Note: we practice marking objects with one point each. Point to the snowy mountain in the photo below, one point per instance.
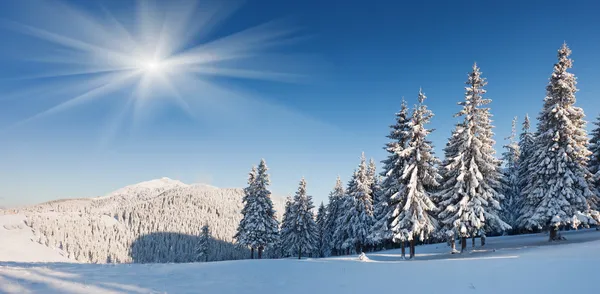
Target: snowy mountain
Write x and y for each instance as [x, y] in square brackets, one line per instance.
[154, 221]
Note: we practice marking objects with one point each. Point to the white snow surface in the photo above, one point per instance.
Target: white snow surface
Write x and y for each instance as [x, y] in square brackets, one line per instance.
[16, 243]
[512, 264]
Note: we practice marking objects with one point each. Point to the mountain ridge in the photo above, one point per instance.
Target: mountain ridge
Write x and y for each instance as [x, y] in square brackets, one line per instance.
[104, 229]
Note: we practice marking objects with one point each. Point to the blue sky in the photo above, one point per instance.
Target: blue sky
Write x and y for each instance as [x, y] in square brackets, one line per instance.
[357, 59]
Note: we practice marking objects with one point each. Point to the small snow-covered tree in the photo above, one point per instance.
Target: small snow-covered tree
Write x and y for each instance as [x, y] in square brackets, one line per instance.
[372, 178]
[414, 220]
[448, 173]
[203, 245]
[526, 140]
[594, 167]
[380, 233]
[261, 226]
[242, 232]
[360, 213]
[334, 214]
[511, 156]
[304, 233]
[558, 181]
[342, 235]
[322, 242]
[285, 234]
[470, 195]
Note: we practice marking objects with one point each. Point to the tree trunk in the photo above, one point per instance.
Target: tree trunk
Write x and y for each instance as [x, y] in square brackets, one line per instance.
[403, 249]
[482, 240]
[299, 252]
[473, 241]
[260, 251]
[453, 244]
[553, 234]
[412, 248]
[463, 244]
[252, 253]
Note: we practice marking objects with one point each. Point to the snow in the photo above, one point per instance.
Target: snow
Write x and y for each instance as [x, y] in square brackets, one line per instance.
[521, 264]
[16, 243]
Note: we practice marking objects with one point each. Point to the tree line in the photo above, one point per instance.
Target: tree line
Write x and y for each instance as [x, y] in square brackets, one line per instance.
[547, 180]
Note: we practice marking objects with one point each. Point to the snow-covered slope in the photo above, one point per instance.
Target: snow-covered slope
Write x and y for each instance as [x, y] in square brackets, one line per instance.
[16, 242]
[153, 221]
[519, 264]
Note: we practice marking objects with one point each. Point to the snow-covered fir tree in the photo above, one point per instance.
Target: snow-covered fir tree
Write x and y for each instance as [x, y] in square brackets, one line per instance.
[470, 196]
[203, 245]
[511, 155]
[558, 181]
[392, 169]
[526, 140]
[381, 234]
[322, 242]
[334, 215]
[447, 171]
[249, 196]
[594, 167]
[360, 215]
[285, 234]
[260, 226]
[342, 235]
[304, 233]
[372, 178]
[412, 218]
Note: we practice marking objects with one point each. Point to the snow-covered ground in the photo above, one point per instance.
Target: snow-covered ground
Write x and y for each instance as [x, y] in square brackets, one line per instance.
[17, 244]
[515, 264]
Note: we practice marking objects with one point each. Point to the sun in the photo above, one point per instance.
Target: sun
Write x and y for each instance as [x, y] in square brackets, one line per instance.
[162, 54]
[152, 66]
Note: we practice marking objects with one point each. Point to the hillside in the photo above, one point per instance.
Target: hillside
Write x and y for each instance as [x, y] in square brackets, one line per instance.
[513, 264]
[153, 221]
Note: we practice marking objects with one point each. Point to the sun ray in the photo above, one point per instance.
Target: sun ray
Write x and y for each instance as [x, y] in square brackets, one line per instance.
[92, 93]
[112, 126]
[246, 73]
[71, 73]
[162, 50]
[178, 97]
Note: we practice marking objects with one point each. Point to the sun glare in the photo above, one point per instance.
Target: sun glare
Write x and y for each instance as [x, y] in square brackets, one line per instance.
[152, 67]
[152, 55]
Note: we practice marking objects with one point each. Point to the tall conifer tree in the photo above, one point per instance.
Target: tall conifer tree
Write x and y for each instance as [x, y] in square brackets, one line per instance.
[470, 196]
[558, 182]
[414, 220]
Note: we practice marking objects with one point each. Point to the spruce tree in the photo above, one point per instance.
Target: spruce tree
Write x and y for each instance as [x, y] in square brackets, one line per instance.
[322, 242]
[261, 226]
[334, 214]
[342, 234]
[594, 167]
[448, 171]
[526, 140]
[414, 220]
[203, 246]
[392, 169]
[558, 181]
[511, 178]
[371, 177]
[285, 238]
[242, 232]
[381, 232]
[470, 195]
[304, 231]
[360, 218]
